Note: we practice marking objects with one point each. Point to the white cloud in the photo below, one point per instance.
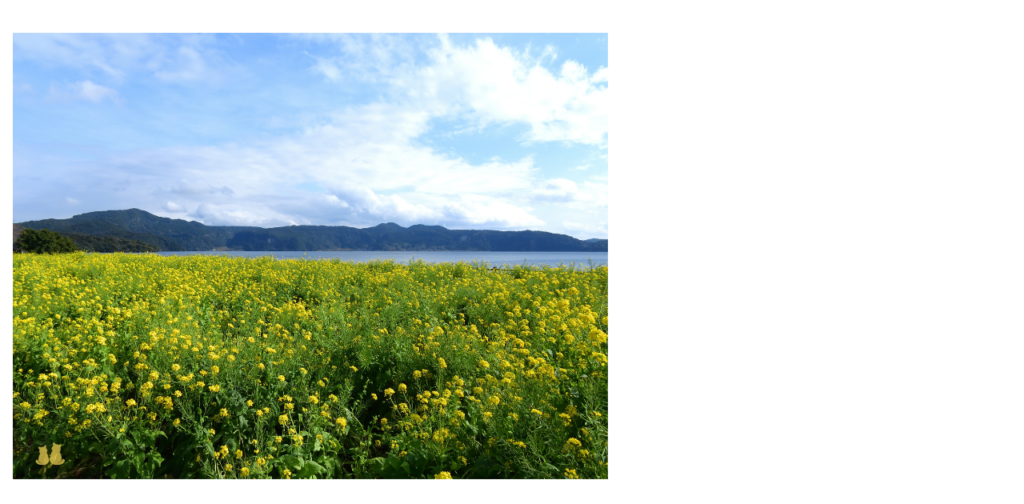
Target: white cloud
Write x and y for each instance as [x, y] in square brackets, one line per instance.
[328, 68]
[585, 231]
[177, 58]
[84, 90]
[483, 82]
[366, 160]
[560, 190]
[371, 58]
[186, 65]
[491, 84]
[72, 201]
[173, 207]
[556, 190]
[200, 188]
[94, 92]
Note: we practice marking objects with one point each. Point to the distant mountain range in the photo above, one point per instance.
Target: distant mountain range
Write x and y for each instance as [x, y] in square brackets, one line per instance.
[176, 234]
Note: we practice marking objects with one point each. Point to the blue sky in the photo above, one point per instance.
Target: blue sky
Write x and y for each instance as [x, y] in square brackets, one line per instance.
[504, 131]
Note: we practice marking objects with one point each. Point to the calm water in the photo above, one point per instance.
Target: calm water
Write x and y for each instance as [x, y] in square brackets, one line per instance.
[491, 258]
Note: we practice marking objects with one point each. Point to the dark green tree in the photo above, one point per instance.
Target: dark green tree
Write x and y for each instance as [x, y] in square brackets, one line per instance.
[44, 241]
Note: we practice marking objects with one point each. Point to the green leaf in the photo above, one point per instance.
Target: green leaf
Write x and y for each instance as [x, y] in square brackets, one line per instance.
[290, 462]
[310, 469]
[120, 469]
[395, 462]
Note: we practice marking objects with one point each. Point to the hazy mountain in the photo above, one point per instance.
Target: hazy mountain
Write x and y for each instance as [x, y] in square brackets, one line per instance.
[177, 234]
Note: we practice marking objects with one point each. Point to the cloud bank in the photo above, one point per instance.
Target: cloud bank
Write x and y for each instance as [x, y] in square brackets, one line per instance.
[359, 164]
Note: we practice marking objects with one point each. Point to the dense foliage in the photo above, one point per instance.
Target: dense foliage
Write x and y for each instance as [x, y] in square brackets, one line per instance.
[177, 234]
[43, 241]
[198, 366]
[88, 243]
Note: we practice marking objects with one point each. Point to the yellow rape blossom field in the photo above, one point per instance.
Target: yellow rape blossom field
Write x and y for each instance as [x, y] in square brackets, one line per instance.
[144, 366]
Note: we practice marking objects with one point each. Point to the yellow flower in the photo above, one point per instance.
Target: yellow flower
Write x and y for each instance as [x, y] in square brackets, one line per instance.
[484, 364]
[313, 399]
[227, 467]
[537, 411]
[388, 392]
[354, 369]
[443, 475]
[402, 387]
[374, 396]
[244, 471]
[441, 363]
[238, 454]
[175, 367]
[278, 439]
[214, 388]
[341, 422]
[416, 375]
[212, 432]
[287, 474]
[177, 421]
[215, 369]
[280, 377]
[283, 419]
[130, 402]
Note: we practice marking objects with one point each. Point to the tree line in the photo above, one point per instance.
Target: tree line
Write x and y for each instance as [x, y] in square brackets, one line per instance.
[44, 241]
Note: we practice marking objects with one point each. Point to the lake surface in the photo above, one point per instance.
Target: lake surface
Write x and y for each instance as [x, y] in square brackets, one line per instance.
[491, 258]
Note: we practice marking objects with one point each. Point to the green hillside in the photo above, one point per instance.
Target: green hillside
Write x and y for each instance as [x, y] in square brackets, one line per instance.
[176, 234]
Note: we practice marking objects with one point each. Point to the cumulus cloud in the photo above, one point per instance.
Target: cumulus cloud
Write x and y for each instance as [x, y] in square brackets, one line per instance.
[484, 82]
[366, 163]
[363, 164]
[492, 84]
[173, 207]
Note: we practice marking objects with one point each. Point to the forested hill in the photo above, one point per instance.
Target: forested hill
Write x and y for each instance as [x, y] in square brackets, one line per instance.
[14, 232]
[177, 234]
